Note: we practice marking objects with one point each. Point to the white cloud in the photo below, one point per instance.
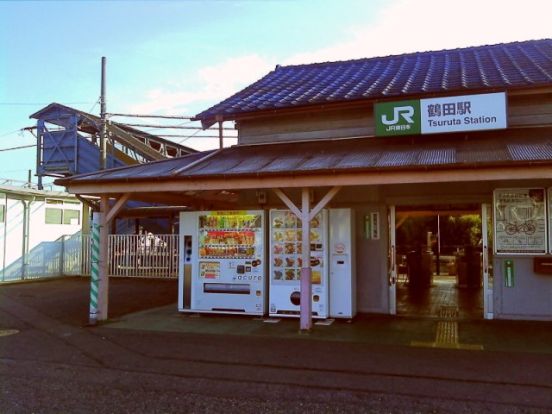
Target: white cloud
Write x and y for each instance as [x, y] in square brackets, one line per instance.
[402, 26]
[213, 84]
[419, 25]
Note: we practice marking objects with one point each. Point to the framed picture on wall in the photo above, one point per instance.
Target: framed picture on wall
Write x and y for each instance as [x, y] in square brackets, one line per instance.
[520, 221]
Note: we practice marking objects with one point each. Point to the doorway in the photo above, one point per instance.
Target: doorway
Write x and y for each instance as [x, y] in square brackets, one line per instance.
[441, 260]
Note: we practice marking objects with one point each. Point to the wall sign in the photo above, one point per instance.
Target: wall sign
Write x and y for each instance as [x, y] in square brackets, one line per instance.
[520, 221]
[438, 115]
[372, 226]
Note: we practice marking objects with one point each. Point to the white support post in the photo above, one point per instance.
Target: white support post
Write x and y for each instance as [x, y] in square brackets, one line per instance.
[306, 215]
[306, 281]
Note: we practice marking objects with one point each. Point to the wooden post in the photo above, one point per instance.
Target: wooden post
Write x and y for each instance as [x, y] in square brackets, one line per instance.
[103, 287]
[306, 280]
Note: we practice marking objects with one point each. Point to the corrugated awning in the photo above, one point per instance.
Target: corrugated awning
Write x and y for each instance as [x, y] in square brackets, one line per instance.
[476, 150]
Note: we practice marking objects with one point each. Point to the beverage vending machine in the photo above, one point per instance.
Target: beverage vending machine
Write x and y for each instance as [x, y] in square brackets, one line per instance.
[222, 267]
[342, 278]
[286, 262]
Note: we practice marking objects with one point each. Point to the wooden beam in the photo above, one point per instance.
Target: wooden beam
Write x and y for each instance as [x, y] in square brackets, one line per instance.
[324, 201]
[119, 204]
[524, 172]
[401, 221]
[287, 202]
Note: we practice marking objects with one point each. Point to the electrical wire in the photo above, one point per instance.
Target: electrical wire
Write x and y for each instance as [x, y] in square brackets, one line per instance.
[11, 132]
[16, 148]
[188, 137]
[175, 127]
[40, 103]
[151, 116]
[95, 104]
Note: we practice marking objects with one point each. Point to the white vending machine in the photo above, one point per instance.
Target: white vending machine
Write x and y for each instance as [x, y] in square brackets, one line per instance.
[222, 267]
[286, 262]
[342, 269]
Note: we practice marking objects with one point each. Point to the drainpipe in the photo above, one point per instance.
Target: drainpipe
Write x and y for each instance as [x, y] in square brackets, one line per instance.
[25, 244]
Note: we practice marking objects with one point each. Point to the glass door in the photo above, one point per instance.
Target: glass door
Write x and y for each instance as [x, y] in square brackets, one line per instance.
[392, 262]
[487, 268]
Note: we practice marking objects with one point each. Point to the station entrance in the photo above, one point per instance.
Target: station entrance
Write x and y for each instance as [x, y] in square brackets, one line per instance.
[441, 261]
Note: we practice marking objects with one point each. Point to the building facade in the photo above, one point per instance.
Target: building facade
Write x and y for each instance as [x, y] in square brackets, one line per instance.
[453, 133]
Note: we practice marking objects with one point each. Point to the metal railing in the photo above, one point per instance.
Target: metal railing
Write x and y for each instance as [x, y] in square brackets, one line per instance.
[147, 255]
[129, 255]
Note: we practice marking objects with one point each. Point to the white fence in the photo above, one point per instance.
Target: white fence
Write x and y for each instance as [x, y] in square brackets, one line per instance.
[148, 255]
[130, 255]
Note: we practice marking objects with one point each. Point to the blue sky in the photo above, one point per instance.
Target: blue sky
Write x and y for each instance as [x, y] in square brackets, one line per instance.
[180, 57]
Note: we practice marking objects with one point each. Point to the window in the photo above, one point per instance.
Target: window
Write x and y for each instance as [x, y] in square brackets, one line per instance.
[71, 217]
[53, 215]
[63, 213]
[2, 213]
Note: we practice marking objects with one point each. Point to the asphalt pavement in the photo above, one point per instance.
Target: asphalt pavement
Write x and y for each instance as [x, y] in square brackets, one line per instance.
[150, 359]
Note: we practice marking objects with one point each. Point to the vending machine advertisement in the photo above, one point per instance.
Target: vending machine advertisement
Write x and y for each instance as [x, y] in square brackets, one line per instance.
[285, 264]
[226, 261]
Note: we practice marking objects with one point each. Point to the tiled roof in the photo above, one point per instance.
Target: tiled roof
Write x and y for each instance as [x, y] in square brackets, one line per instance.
[503, 66]
[367, 154]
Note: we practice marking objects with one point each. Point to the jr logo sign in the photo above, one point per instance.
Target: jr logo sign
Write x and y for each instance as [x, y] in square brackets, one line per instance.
[397, 118]
[407, 112]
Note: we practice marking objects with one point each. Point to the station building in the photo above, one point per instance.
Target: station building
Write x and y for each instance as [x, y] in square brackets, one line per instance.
[441, 161]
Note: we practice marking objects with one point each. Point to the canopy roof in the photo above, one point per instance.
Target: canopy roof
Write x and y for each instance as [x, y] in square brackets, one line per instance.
[512, 148]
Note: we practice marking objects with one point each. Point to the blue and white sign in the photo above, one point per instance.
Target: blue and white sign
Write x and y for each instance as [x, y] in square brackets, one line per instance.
[463, 113]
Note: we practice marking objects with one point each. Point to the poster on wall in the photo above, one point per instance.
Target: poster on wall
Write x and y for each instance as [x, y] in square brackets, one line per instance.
[520, 221]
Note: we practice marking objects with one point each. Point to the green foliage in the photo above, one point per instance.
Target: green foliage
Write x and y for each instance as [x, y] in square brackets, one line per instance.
[456, 231]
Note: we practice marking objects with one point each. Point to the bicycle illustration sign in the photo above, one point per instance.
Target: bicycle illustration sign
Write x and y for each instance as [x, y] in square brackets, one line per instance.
[520, 221]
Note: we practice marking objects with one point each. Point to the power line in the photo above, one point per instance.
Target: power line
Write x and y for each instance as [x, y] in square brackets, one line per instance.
[174, 127]
[16, 148]
[152, 116]
[41, 103]
[94, 106]
[11, 132]
[193, 136]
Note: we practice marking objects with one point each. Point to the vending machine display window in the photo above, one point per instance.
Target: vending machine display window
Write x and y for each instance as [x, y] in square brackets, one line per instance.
[286, 250]
[287, 247]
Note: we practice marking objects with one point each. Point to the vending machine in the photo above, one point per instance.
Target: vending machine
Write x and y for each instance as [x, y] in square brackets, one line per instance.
[342, 278]
[222, 267]
[286, 262]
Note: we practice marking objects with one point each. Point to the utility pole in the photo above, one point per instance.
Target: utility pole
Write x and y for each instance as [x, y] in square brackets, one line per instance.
[103, 132]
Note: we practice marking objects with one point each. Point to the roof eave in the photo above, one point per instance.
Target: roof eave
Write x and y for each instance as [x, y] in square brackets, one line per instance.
[327, 171]
[211, 118]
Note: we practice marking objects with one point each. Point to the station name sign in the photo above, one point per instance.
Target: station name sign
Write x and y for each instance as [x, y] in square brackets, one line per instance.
[438, 115]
